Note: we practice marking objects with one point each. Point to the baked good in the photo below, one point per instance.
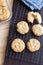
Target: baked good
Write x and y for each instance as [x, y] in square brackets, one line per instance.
[33, 45]
[37, 29]
[4, 13]
[18, 45]
[3, 3]
[38, 17]
[30, 17]
[22, 27]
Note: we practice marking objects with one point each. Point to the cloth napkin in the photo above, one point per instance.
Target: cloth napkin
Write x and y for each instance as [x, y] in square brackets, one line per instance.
[34, 4]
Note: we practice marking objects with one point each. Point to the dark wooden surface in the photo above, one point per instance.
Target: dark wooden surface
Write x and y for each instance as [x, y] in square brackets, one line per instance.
[25, 58]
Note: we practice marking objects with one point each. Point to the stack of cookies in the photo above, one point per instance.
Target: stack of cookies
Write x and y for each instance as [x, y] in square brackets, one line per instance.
[4, 11]
[33, 45]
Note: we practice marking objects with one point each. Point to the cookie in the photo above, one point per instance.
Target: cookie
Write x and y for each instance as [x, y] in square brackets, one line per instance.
[38, 17]
[18, 45]
[22, 27]
[33, 45]
[30, 17]
[37, 29]
[4, 13]
[3, 3]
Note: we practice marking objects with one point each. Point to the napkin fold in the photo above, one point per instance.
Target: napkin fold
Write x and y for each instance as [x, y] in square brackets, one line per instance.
[34, 4]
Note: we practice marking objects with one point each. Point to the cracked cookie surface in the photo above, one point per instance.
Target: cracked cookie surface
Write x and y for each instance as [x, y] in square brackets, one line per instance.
[4, 10]
[33, 45]
[37, 29]
[22, 27]
[31, 16]
[18, 45]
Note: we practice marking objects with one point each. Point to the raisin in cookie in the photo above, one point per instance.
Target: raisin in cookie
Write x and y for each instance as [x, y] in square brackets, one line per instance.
[33, 45]
[22, 27]
[37, 29]
[18, 45]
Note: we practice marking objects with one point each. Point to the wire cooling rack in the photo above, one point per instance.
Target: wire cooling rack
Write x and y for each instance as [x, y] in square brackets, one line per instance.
[19, 13]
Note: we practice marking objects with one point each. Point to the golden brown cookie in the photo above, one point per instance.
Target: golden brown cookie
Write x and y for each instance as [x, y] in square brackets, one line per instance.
[18, 45]
[37, 29]
[3, 3]
[4, 10]
[22, 27]
[4, 13]
[30, 17]
[33, 45]
[38, 17]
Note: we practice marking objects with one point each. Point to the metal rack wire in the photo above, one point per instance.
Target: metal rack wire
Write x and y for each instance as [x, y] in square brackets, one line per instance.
[20, 10]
